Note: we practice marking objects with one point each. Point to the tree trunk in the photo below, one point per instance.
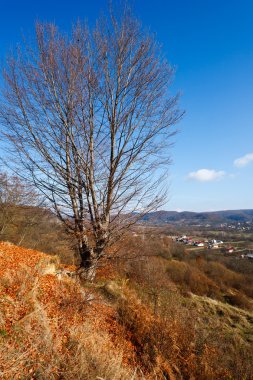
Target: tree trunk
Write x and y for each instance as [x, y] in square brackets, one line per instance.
[89, 256]
[88, 263]
[102, 238]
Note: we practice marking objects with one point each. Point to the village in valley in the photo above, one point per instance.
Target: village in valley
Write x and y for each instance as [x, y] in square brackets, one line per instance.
[224, 247]
[219, 234]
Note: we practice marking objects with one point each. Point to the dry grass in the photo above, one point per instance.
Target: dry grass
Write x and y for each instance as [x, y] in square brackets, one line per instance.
[167, 347]
[138, 325]
[34, 352]
[94, 356]
[202, 334]
[49, 329]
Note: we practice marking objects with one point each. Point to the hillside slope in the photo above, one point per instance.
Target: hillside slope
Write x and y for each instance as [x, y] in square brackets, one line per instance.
[50, 327]
[53, 327]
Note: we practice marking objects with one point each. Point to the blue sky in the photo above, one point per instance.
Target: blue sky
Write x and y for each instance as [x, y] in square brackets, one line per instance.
[211, 44]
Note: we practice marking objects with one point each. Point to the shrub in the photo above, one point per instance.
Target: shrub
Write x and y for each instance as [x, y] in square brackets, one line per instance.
[191, 279]
[239, 300]
[166, 347]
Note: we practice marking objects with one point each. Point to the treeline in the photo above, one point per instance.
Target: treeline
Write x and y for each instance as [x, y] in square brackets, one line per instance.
[25, 220]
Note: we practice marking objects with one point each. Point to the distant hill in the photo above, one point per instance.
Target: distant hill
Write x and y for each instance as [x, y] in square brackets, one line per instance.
[188, 217]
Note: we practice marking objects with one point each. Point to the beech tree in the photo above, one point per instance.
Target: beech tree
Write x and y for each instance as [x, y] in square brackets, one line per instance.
[88, 117]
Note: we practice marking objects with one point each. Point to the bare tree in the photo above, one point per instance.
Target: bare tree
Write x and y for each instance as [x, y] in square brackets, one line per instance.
[88, 118]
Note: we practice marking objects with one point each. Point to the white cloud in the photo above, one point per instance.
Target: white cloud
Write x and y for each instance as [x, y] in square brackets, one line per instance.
[206, 175]
[243, 161]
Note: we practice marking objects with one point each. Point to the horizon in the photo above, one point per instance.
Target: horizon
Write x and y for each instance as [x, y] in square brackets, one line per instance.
[211, 46]
[206, 211]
